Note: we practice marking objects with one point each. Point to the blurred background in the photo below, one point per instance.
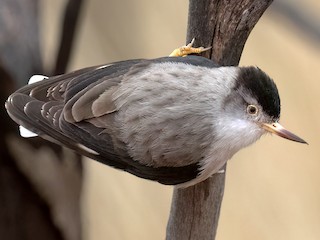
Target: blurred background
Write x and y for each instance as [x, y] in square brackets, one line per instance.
[272, 188]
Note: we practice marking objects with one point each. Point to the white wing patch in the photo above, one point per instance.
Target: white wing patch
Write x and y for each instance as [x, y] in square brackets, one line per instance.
[37, 78]
[26, 133]
[23, 131]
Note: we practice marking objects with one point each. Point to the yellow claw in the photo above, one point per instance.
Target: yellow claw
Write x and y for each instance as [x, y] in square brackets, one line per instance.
[188, 49]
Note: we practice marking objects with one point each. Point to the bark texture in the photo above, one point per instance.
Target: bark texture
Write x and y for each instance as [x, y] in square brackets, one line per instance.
[224, 25]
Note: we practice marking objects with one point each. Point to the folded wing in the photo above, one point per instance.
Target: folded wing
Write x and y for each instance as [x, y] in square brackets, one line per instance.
[76, 110]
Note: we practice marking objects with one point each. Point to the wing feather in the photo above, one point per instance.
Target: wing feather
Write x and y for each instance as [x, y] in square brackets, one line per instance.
[77, 108]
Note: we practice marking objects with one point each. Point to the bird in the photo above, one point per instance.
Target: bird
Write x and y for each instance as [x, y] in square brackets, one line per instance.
[176, 120]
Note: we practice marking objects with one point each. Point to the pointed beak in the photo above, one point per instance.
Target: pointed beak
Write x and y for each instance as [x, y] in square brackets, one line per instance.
[277, 129]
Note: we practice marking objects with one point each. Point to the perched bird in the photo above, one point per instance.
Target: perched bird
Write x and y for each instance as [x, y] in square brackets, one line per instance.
[175, 120]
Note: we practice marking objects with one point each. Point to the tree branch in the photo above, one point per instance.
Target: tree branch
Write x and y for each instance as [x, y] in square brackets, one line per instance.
[71, 16]
[224, 25]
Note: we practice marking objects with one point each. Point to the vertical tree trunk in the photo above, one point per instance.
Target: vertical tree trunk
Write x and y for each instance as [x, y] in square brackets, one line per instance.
[224, 25]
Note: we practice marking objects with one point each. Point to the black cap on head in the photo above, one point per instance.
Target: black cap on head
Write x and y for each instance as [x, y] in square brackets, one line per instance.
[262, 87]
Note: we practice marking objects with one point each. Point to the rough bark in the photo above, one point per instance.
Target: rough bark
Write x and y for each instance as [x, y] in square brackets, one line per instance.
[224, 25]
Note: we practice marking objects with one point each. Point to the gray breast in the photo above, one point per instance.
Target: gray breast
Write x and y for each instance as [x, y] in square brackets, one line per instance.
[165, 119]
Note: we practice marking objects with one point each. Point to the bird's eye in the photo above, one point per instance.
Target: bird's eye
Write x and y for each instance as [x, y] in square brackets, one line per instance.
[252, 109]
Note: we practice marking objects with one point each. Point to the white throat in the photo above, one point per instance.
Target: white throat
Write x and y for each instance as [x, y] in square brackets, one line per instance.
[233, 135]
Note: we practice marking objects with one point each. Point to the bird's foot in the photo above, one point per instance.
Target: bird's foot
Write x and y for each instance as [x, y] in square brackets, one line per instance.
[188, 49]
